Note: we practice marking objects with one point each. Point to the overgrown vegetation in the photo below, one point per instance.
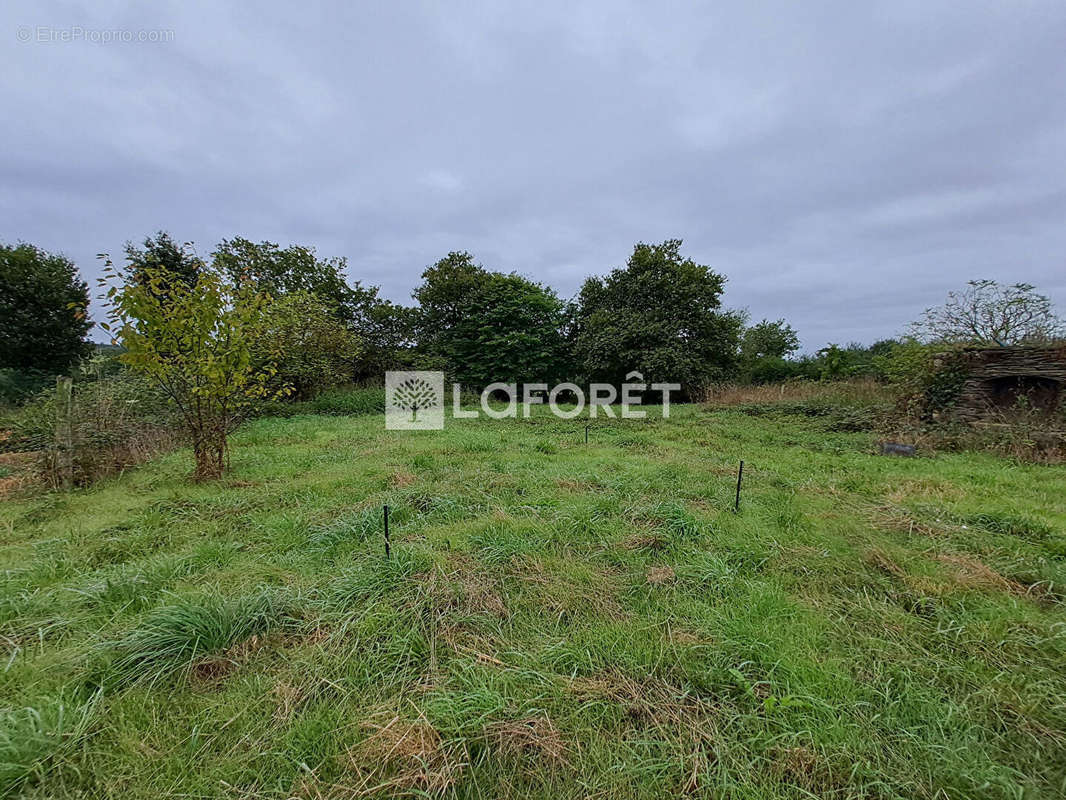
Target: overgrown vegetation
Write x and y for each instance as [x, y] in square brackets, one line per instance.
[117, 420]
[557, 620]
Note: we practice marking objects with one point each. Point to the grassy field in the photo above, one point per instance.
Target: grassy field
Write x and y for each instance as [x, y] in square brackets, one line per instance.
[557, 620]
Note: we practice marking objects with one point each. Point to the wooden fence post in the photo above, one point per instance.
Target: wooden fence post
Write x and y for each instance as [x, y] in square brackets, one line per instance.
[64, 443]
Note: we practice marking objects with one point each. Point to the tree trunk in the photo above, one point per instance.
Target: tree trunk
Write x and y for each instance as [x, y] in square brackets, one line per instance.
[210, 453]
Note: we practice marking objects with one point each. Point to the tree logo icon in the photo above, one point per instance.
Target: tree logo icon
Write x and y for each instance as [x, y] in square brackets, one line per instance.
[415, 394]
[414, 400]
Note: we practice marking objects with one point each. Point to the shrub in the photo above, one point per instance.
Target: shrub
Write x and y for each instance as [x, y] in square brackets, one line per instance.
[306, 346]
[116, 422]
[351, 400]
[928, 377]
[194, 341]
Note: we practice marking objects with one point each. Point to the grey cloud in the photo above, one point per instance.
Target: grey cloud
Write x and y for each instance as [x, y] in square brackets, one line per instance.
[844, 164]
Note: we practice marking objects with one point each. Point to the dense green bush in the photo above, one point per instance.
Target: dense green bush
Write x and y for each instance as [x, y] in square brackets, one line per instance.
[353, 400]
[43, 303]
[17, 385]
[305, 347]
[340, 400]
[660, 315]
[929, 377]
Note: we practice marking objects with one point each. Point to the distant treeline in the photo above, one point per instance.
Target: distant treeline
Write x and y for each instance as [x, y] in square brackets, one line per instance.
[661, 314]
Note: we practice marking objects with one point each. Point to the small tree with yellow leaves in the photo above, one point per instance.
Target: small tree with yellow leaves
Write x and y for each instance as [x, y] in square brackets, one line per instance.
[194, 339]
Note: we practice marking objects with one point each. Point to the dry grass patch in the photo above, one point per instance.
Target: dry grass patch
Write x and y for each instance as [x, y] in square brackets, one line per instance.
[929, 490]
[565, 596]
[534, 737]
[22, 472]
[288, 699]
[403, 757]
[467, 587]
[651, 703]
[216, 668]
[973, 574]
[880, 560]
[644, 541]
[802, 767]
[660, 575]
[887, 516]
[401, 479]
[860, 391]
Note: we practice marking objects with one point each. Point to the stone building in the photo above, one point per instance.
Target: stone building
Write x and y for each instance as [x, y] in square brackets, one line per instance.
[995, 378]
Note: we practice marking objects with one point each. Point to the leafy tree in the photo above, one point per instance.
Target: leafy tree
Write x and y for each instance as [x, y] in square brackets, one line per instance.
[277, 271]
[306, 347]
[833, 362]
[195, 342]
[483, 326]
[43, 304]
[769, 340]
[388, 332]
[383, 329]
[991, 314]
[160, 256]
[661, 315]
[764, 348]
[446, 299]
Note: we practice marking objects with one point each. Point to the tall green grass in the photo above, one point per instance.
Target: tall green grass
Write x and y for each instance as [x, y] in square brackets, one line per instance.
[556, 619]
[172, 637]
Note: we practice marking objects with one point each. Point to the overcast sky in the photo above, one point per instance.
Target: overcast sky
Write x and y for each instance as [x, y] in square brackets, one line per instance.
[845, 164]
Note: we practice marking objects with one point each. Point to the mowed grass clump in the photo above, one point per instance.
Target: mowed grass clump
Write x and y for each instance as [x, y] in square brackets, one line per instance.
[556, 619]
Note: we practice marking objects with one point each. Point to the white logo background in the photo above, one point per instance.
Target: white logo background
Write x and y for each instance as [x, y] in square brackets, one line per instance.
[414, 401]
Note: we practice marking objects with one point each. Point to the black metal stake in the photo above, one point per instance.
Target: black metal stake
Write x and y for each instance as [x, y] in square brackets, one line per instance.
[586, 434]
[388, 553]
[740, 477]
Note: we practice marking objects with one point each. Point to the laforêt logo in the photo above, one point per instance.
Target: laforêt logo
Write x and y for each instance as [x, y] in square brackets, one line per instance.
[414, 400]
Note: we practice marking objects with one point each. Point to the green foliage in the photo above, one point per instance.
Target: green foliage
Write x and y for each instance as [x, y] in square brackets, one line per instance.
[764, 348]
[307, 348]
[384, 330]
[660, 316]
[387, 332]
[277, 272]
[483, 326]
[160, 264]
[833, 363]
[354, 400]
[44, 307]
[18, 385]
[194, 342]
[929, 377]
[768, 340]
